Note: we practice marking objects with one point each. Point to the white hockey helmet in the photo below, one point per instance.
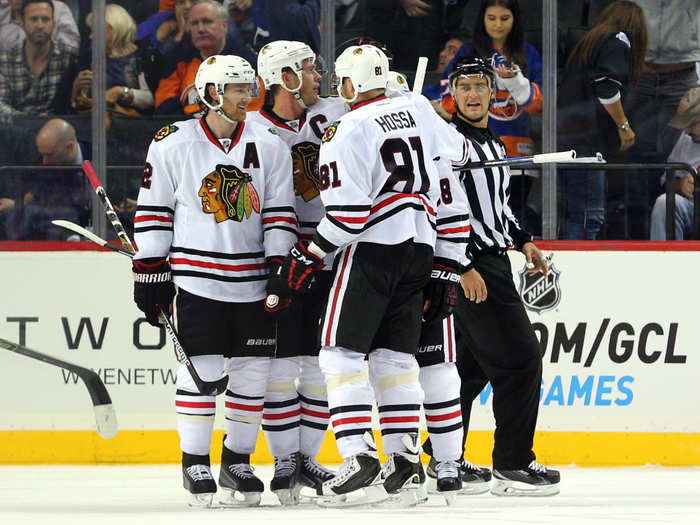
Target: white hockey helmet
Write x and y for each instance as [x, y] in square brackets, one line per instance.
[222, 70]
[366, 66]
[397, 82]
[274, 57]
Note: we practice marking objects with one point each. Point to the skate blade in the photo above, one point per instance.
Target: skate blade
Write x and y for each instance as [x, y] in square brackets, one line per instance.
[406, 497]
[471, 489]
[520, 489]
[288, 497]
[364, 496]
[201, 500]
[235, 498]
[450, 497]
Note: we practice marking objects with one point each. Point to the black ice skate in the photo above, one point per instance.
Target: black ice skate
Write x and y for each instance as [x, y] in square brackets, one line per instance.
[358, 481]
[197, 478]
[533, 480]
[313, 474]
[403, 474]
[475, 480]
[449, 483]
[240, 487]
[285, 482]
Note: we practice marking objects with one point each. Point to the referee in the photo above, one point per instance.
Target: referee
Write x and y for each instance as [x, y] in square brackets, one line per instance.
[495, 341]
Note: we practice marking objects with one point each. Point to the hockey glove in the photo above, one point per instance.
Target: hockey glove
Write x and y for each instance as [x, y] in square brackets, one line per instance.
[278, 295]
[299, 266]
[440, 294]
[153, 287]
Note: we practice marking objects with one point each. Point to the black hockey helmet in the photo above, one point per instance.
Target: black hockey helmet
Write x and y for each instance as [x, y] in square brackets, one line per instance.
[471, 65]
[365, 40]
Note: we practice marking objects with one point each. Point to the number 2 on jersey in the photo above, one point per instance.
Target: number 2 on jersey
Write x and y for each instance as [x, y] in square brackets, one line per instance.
[405, 171]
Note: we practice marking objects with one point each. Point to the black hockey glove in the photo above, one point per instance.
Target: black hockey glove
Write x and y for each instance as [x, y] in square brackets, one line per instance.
[153, 287]
[441, 292]
[299, 266]
[278, 295]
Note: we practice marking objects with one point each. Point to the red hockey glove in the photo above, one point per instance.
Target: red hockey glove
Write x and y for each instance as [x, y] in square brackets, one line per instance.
[440, 294]
[299, 266]
[153, 287]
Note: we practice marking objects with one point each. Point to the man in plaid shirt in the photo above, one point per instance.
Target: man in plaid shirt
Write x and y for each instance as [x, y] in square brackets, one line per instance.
[35, 78]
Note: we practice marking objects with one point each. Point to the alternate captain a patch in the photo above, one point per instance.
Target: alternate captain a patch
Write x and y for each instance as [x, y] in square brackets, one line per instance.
[330, 131]
[229, 193]
[165, 131]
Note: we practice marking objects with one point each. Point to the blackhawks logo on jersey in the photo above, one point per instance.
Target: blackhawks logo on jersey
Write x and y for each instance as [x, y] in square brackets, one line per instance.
[229, 193]
[330, 131]
[165, 131]
[305, 170]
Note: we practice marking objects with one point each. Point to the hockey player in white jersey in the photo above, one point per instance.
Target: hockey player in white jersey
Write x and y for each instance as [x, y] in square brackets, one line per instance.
[295, 417]
[380, 188]
[437, 353]
[216, 201]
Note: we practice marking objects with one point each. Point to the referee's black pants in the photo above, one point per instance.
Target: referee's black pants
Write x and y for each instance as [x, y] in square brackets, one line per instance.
[496, 343]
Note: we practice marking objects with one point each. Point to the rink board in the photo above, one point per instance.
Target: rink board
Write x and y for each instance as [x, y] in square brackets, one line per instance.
[619, 329]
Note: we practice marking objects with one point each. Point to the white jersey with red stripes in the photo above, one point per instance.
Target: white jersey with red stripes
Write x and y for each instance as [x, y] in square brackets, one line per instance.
[379, 174]
[303, 136]
[217, 207]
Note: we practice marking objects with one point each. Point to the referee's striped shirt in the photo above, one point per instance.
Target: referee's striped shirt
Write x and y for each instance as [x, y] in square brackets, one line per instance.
[493, 225]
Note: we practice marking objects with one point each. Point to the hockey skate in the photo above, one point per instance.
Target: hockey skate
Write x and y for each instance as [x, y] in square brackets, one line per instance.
[475, 480]
[240, 487]
[197, 478]
[285, 482]
[533, 480]
[403, 475]
[312, 474]
[448, 482]
[358, 482]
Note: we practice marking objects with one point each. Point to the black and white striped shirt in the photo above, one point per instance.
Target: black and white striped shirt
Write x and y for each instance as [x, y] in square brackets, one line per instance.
[493, 225]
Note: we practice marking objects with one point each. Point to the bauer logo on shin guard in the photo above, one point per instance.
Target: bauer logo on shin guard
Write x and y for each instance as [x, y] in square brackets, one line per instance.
[540, 293]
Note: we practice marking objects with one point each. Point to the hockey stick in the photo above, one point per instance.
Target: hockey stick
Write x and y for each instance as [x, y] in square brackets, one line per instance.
[89, 235]
[105, 415]
[207, 388]
[542, 158]
[420, 75]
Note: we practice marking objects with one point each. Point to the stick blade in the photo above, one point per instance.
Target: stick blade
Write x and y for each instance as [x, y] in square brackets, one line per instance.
[106, 420]
[215, 388]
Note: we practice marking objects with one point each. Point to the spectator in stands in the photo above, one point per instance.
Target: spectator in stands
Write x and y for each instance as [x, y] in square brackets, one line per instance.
[591, 117]
[449, 50]
[127, 90]
[166, 29]
[413, 28]
[50, 195]
[296, 20]
[35, 77]
[208, 22]
[498, 36]
[687, 150]
[669, 71]
[17, 148]
[12, 34]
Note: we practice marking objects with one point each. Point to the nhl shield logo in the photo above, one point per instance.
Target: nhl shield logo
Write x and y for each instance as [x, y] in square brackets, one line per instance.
[540, 293]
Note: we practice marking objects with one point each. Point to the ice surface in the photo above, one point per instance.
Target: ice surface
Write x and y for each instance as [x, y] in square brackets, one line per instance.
[106, 495]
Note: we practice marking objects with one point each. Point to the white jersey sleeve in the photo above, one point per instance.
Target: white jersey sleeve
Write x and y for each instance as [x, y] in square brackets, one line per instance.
[452, 219]
[280, 225]
[153, 222]
[346, 189]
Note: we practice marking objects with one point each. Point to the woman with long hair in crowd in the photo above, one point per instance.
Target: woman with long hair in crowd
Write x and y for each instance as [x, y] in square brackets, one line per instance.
[591, 117]
[499, 37]
[127, 90]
